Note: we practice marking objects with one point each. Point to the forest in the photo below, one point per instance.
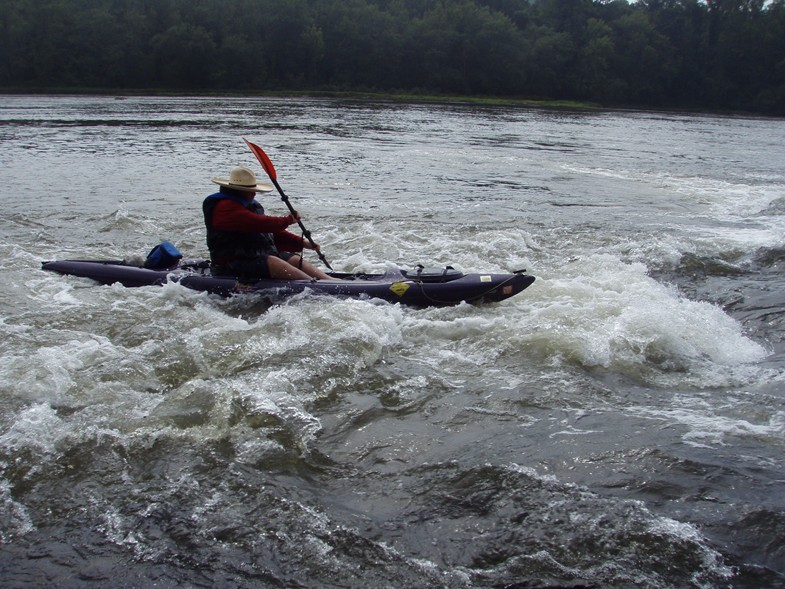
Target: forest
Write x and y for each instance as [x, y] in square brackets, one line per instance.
[719, 55]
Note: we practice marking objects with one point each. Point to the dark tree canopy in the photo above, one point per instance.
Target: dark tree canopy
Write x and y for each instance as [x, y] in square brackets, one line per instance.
[712, 54]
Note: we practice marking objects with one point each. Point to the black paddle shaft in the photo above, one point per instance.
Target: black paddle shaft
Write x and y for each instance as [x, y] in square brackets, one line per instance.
[306, 233]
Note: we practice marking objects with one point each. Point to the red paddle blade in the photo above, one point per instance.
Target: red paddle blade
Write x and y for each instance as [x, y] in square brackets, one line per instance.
[263, 159]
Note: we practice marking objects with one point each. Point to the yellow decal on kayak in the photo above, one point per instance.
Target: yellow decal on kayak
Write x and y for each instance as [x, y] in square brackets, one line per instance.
[485, 278]
[399, 288]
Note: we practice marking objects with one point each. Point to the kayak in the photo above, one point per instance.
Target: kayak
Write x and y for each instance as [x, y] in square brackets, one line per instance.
[422, 287]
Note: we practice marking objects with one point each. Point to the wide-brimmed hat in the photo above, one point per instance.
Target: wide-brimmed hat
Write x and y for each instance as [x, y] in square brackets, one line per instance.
[241, 178]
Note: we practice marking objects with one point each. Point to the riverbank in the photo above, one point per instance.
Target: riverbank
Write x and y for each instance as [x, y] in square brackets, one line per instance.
[386, 97]
[349, 94]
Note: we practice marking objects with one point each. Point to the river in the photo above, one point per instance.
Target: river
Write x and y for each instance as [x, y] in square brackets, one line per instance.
[621, 423]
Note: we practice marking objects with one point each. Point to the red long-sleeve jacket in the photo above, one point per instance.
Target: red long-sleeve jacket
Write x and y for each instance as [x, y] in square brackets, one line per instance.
[239, 230]
[229, 215]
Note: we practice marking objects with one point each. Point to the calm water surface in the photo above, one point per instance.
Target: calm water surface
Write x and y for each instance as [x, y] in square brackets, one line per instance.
[619, 424]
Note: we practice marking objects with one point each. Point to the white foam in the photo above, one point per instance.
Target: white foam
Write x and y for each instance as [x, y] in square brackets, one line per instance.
[37, 427]
[706, 427]
[600, 311]
[712, 560]
[50, 372]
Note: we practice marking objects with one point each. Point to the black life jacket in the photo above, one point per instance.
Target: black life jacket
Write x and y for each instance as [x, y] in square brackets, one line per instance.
[228, 246]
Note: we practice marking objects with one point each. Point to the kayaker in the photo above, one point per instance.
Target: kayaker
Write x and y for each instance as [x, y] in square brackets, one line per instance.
[246, 243]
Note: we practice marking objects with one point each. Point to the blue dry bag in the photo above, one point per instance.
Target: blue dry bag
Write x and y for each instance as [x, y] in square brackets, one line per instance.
[164, 255]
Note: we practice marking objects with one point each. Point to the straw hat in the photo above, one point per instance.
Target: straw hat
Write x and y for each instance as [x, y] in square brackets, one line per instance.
[242, 179]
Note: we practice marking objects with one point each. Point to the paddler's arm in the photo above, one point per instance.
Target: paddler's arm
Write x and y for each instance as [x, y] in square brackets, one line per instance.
[232, 216]
[289, 242]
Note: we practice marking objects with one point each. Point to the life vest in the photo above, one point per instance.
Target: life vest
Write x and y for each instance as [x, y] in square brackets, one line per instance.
[229, 246]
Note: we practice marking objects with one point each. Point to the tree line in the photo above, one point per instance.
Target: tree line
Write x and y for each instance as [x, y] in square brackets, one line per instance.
[704, 54]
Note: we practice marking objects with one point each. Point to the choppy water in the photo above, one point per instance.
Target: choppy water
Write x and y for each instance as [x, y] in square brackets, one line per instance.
[621, 423]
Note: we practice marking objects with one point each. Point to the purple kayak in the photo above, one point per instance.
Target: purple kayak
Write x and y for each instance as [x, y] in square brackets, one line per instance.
[422, 287]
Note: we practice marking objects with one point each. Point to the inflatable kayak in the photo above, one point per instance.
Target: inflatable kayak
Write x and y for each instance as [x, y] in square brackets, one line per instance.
[419, 287]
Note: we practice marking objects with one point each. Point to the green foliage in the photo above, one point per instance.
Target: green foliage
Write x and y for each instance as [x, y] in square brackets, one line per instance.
[653, 53]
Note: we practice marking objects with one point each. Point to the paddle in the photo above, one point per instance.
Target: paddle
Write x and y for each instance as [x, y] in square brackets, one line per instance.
[270, 169]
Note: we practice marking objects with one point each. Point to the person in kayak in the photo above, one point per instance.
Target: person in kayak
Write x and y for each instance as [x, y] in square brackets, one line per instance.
[246, 243]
